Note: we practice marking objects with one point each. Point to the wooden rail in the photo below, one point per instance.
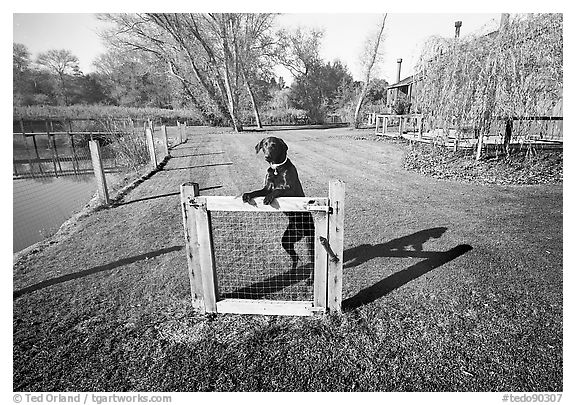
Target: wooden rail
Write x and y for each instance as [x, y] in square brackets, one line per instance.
[384, 119]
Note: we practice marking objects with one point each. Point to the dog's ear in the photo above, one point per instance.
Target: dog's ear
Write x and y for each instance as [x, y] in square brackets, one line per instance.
[259, 145]
[284, 146]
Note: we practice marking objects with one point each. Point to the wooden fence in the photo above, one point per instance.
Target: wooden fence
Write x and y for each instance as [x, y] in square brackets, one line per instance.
[61, 150]
[541, 132]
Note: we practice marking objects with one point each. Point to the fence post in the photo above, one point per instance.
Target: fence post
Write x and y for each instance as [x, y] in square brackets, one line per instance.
[420, 124]
[99, 171]
[187, 192]
[184, 136]
[165, 135]
[25, 140]
[151, 151]
[75, 166]
[179, 132]
[54, 160]
[336, 239]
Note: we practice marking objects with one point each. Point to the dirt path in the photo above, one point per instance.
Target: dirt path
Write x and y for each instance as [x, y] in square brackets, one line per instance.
[125, 266]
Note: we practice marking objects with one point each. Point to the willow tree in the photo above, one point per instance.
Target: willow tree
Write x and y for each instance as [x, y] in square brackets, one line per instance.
[209, 54]
[480, 82]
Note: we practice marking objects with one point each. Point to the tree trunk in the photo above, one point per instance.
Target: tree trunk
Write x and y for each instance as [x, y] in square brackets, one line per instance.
[230, 102]
[480, 142]
[508, 136]
[64, 92]
[252, 99]
[230, 94]
[359, 105]
[373, 57]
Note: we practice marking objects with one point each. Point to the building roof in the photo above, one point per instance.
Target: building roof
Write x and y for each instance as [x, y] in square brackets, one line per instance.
[404, 82]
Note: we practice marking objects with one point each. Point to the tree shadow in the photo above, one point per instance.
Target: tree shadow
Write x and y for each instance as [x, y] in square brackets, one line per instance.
[94, 270]
[196, 155]
[398, 248]
[118, 203]
[293, 127]
[198, 167]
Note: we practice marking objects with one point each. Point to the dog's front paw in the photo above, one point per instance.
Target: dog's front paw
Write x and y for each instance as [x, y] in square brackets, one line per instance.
[246, 197]
[268, 199]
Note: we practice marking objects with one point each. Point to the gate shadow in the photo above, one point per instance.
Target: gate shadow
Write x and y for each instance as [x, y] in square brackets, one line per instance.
[398, 248]
[273, 284]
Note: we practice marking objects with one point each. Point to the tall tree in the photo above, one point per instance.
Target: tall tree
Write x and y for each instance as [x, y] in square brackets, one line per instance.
[299, 50]
[368, 59]
[256, 46]
[21, 80]
[136, 80]
[63, 63]
[208, 53]
[317, 92]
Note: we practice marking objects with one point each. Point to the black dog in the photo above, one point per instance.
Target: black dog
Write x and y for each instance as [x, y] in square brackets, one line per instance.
[282, 181]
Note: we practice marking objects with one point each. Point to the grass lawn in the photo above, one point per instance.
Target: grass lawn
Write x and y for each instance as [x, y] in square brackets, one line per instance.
[448, 286]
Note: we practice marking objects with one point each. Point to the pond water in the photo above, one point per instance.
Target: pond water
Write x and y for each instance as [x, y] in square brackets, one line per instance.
[41, 205]
[53, 179]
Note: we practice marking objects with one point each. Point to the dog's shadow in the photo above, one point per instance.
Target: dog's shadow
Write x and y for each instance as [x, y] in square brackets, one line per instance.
[398, 248]
[395, 248]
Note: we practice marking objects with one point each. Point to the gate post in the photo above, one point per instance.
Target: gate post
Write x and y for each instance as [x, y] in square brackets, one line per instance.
[187, 193]
[336, 238]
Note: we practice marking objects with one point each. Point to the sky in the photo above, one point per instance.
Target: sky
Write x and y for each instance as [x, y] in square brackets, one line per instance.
[404, 34]
[344, 35]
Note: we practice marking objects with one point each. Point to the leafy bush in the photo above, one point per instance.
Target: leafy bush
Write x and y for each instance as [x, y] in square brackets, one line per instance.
[128, 147]
[401, 107]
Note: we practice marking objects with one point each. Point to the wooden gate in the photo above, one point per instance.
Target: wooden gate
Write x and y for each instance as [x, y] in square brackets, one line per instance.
[225, 251]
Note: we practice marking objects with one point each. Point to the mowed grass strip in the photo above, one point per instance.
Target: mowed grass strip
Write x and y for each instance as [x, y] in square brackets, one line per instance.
[447, 287]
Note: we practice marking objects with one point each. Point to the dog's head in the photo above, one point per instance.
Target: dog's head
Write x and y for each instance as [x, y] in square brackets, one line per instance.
[274, 149]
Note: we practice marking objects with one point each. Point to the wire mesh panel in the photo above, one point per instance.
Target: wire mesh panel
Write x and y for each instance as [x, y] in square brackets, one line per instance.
[264, 255]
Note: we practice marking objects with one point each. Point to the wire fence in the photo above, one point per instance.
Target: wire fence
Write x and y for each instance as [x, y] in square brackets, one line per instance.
[53, 174]
[264, 255]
